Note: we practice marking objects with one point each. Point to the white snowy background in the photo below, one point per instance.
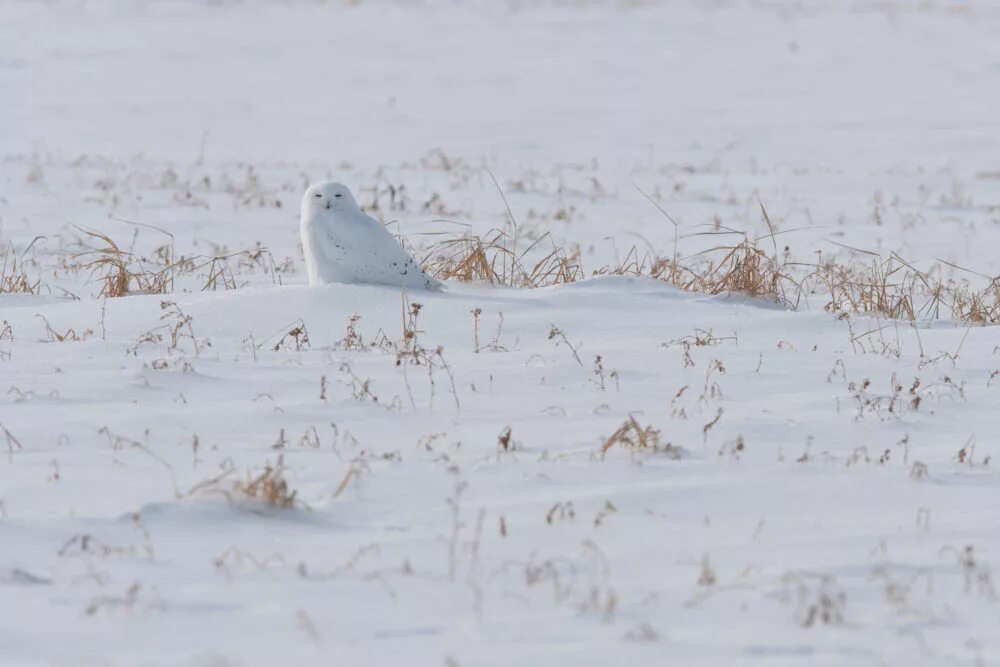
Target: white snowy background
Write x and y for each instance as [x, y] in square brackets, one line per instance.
[807, 509]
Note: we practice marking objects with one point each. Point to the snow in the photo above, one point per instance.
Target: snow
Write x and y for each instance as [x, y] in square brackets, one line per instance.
[799, 514]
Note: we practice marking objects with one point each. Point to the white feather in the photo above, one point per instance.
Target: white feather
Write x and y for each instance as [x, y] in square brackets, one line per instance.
[343, 244]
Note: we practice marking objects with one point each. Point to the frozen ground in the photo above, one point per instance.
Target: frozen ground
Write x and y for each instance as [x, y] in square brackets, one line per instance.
[805, 500]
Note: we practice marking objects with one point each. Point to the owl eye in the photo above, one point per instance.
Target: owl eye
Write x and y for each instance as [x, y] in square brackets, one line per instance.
[338, 195]
[317, 195]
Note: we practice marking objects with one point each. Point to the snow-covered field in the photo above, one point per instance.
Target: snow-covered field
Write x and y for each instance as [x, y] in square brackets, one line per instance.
[790, 486]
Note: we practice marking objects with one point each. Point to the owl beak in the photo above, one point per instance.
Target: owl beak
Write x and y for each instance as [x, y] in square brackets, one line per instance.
[329, 205]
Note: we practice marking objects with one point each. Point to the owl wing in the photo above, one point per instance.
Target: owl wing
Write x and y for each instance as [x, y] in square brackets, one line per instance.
[376, 255]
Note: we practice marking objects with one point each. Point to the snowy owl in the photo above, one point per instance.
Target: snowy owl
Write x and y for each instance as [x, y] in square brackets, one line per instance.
[343, 244]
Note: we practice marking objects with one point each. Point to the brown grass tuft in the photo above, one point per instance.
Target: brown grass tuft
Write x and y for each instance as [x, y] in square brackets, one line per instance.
[14, 278]
[269, 486]
[743, 268]
[493, 260]
[634, 438]
[746, 269]
[894, 288]
[884, 286]
[121, 273]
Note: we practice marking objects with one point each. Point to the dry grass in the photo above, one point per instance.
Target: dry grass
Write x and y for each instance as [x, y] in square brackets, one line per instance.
[11, 442]
[14, 278]
[124, 273]
[892, 287]
[887, 287]
[746, 269]
[865, 283]
[635, 439]
[649, 265]
[120, 273]
[494, 260]
[742, 268]
[270, 486]
[70, 334]
[883, 286]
